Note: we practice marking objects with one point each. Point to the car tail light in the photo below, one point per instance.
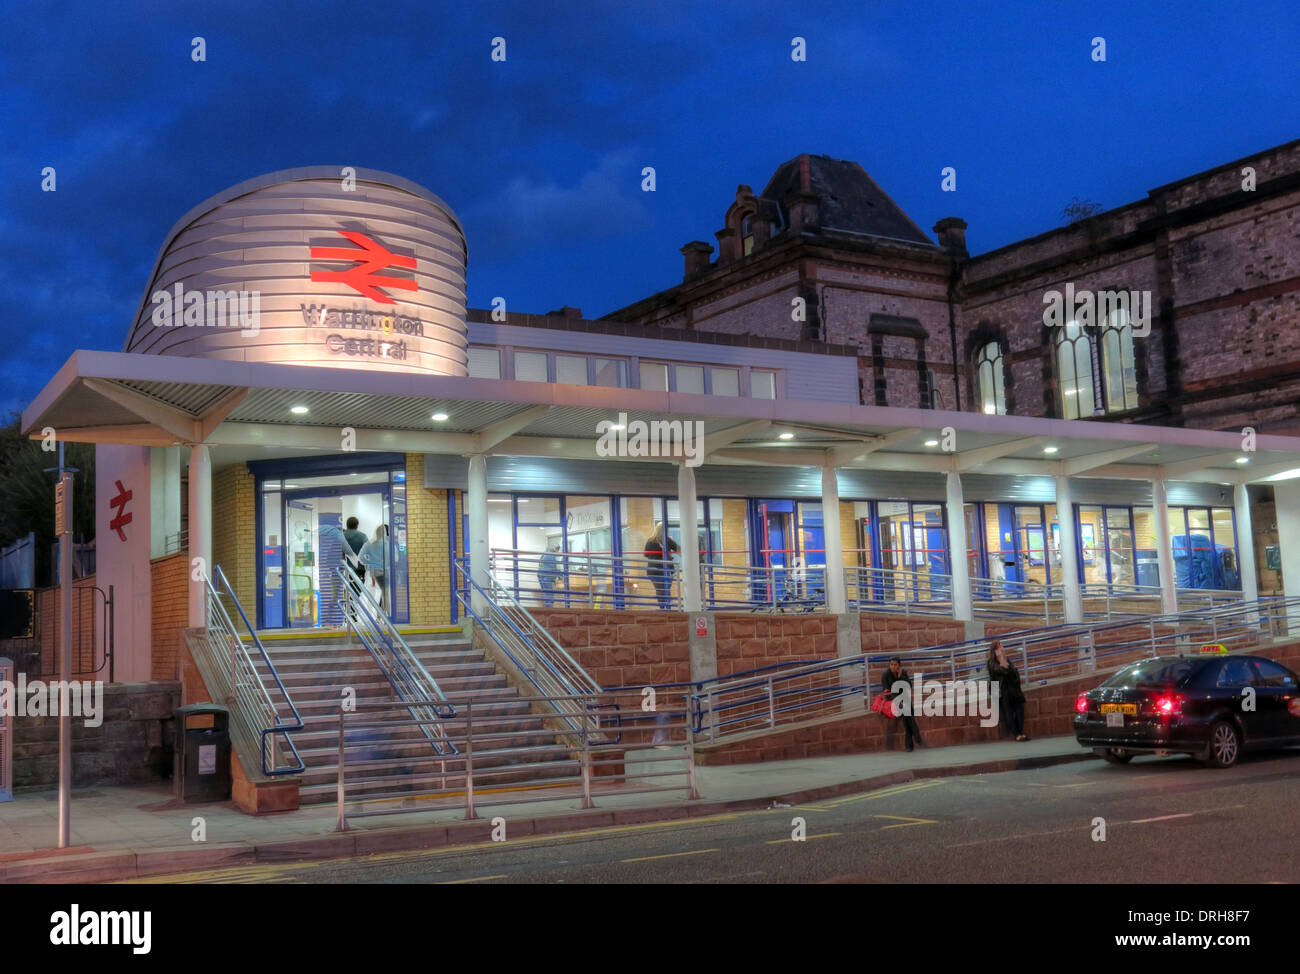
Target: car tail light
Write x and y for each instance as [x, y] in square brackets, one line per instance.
[1168, 705]
[1081, 703]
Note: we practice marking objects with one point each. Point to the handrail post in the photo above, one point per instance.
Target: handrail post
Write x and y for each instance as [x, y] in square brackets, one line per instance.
[691, 792]
[771, 704]
[1024, 655]
[469, 760]
[342, 825]
[586, 767]
[708, 700]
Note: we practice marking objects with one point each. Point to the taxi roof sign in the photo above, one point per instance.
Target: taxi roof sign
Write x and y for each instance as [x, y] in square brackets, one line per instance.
[1214, 648]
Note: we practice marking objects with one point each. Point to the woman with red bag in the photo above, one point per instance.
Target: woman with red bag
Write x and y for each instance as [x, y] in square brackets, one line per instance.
[894, 675]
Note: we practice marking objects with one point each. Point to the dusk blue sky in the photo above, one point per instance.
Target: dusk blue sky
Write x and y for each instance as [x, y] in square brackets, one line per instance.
[541, 156]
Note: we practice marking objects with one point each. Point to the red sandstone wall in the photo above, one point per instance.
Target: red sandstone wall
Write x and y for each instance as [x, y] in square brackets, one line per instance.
[623, 648]
[747, 640]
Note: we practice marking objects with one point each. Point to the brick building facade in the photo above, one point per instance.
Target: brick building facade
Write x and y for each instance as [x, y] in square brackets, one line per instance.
[1215, 252]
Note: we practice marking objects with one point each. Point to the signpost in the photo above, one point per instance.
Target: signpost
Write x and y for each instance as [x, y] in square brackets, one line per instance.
[63, 528]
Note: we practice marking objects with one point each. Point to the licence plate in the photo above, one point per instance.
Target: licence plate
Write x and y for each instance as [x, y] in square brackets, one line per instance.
[1114, 720]
[1119, 708]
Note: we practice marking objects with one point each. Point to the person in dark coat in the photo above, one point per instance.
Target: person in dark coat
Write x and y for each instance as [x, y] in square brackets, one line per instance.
[659, 549]
[894, 674]
[1011, 699]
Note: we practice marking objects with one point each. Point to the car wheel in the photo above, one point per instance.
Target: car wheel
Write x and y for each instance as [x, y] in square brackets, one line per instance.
[1117, 755]
[1224, 747]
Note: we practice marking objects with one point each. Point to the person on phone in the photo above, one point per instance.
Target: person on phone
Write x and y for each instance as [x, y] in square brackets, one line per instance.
[896, 684]
[1011, 698]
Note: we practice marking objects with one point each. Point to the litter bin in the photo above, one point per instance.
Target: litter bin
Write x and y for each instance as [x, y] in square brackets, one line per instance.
[202, 764]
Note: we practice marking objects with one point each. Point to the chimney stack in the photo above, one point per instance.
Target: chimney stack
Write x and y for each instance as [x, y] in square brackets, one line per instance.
[951, 231]
[697, 254]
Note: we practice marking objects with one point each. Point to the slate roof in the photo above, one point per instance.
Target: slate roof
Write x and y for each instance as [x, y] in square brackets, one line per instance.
[851, 201]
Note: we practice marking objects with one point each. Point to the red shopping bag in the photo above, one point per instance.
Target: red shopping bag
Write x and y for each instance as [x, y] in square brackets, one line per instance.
[883, 706]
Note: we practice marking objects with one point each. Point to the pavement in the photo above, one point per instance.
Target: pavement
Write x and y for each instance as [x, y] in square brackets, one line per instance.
[133, 832]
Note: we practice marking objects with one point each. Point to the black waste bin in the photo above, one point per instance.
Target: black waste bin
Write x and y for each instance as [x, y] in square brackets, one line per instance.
[202, 768]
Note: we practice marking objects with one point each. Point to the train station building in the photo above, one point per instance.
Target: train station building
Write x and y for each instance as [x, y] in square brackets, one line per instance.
[837, 419]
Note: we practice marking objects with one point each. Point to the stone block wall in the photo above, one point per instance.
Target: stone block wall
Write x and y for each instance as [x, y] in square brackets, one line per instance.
[132, 746]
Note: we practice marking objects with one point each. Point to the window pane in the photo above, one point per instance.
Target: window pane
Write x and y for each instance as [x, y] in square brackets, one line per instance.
[654, 375]
[1083, 369]
[986, 388]
[1092, 542]
[726, 382]
[1120, 541]
[571, 369]
[690, 378]
[762, 385]
[1069, 382]
[611, 372]
[539, 510]
[530, 366]
[484, 363]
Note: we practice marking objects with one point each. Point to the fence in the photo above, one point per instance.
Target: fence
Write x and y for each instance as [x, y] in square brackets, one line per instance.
[92, 633]
[784, 693]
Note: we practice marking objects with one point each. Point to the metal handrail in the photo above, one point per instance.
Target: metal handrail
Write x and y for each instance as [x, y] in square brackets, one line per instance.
[585, 579]
[539, 658]
[231, 674]
[392, 654]
[1042, 654]
[512, 761]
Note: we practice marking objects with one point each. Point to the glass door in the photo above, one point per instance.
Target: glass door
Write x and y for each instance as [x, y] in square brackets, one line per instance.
[316, 528]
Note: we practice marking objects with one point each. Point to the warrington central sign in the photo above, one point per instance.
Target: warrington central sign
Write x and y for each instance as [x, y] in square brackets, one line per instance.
[390, 326]
[295, 268]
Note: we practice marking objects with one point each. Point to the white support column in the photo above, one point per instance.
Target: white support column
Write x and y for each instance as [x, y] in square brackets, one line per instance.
[833, 544]
[1164, 549]
[1286, 497]
[200, 531]
[690, 538]
[961, 601]
[1071, 594]
[1245, 544]
[477, 542]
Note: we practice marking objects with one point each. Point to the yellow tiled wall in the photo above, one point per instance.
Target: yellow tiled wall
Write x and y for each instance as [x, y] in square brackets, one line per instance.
[428, 554]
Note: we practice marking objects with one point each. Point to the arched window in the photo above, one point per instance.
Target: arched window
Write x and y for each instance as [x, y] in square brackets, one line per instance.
[989, 380]
[1118, 372]
[1075, 371]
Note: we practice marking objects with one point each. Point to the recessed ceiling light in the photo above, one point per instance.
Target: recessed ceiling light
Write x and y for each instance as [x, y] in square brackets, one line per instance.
[1243, 459]
[931, 442]
[440, 417]
[1050, 449]
[298, 410]
[786, 436]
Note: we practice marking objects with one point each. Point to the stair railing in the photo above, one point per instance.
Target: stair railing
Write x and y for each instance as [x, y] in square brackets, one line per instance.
[393, 655]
